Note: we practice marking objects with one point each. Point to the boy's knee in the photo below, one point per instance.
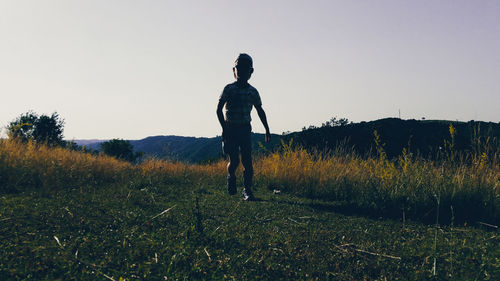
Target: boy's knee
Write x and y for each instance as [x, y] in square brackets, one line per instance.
[248, 172]
[234, 162]
[247, 164]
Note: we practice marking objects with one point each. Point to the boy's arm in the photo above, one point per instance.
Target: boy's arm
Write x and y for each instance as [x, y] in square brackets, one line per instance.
[263, 118]
[220, 116]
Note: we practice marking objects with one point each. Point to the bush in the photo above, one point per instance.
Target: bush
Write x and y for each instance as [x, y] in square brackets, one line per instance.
[120, 149]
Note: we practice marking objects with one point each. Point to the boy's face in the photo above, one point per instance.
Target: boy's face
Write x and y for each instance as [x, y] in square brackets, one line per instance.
[242, 72]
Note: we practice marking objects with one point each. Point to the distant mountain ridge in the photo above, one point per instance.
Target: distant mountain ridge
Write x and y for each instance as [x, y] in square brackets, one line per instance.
[423, 136]
[186, 149]
[88, 142]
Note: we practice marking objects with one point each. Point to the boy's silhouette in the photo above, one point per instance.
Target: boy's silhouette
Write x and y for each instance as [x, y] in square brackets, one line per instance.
[238, 98]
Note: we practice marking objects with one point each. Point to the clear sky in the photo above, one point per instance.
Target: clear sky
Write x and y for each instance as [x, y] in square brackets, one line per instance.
[132, 69]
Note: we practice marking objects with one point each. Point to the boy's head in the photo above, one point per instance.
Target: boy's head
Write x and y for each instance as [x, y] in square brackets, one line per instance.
[243, 67]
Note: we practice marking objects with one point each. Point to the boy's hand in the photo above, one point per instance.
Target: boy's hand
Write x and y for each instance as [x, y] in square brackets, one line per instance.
[268, 136]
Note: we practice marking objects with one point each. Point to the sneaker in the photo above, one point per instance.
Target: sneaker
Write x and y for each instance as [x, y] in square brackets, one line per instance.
[247, 195]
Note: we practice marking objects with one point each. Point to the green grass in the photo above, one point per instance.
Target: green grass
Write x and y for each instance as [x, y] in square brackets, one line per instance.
[113, 231]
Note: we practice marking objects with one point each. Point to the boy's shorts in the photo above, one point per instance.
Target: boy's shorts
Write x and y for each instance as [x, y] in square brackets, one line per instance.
[237, 137]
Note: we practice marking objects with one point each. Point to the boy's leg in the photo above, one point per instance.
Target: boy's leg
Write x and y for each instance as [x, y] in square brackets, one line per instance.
[230, 148]
[234, 161]
[246, 160]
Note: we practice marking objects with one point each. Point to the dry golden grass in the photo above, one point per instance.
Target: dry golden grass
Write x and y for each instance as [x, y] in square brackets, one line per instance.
[29, 164]
[155, 170]
[410, 184]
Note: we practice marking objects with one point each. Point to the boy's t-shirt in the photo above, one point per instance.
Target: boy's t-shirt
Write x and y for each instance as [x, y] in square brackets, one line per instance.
[239, 101]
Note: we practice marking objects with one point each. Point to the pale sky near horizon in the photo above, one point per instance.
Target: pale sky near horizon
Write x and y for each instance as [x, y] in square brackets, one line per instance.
[131, 69]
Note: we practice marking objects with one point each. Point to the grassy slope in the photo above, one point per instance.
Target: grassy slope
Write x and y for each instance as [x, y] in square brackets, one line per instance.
[110, 231]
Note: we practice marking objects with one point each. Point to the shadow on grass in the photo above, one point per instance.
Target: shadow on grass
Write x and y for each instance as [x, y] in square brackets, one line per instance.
[339, 207]
[354, 209]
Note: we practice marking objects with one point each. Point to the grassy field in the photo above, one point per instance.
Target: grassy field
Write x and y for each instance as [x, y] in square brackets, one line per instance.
[66, 215]
[193, 231]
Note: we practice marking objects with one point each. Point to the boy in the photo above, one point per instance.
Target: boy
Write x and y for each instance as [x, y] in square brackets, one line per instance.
[238, 98]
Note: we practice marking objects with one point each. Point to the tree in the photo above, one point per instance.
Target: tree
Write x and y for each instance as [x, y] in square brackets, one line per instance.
[333, 122]
[120, 149]
[41, 129]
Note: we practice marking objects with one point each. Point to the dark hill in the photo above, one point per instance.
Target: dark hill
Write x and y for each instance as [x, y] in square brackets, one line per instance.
[425, 137]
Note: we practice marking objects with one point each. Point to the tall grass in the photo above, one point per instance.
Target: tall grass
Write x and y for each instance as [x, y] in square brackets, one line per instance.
[412, 185]
[154, 171]
[30, 165]
[26, 165]
[468, 183]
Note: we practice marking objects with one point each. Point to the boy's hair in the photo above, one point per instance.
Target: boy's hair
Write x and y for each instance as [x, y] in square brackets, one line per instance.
[244, 59]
